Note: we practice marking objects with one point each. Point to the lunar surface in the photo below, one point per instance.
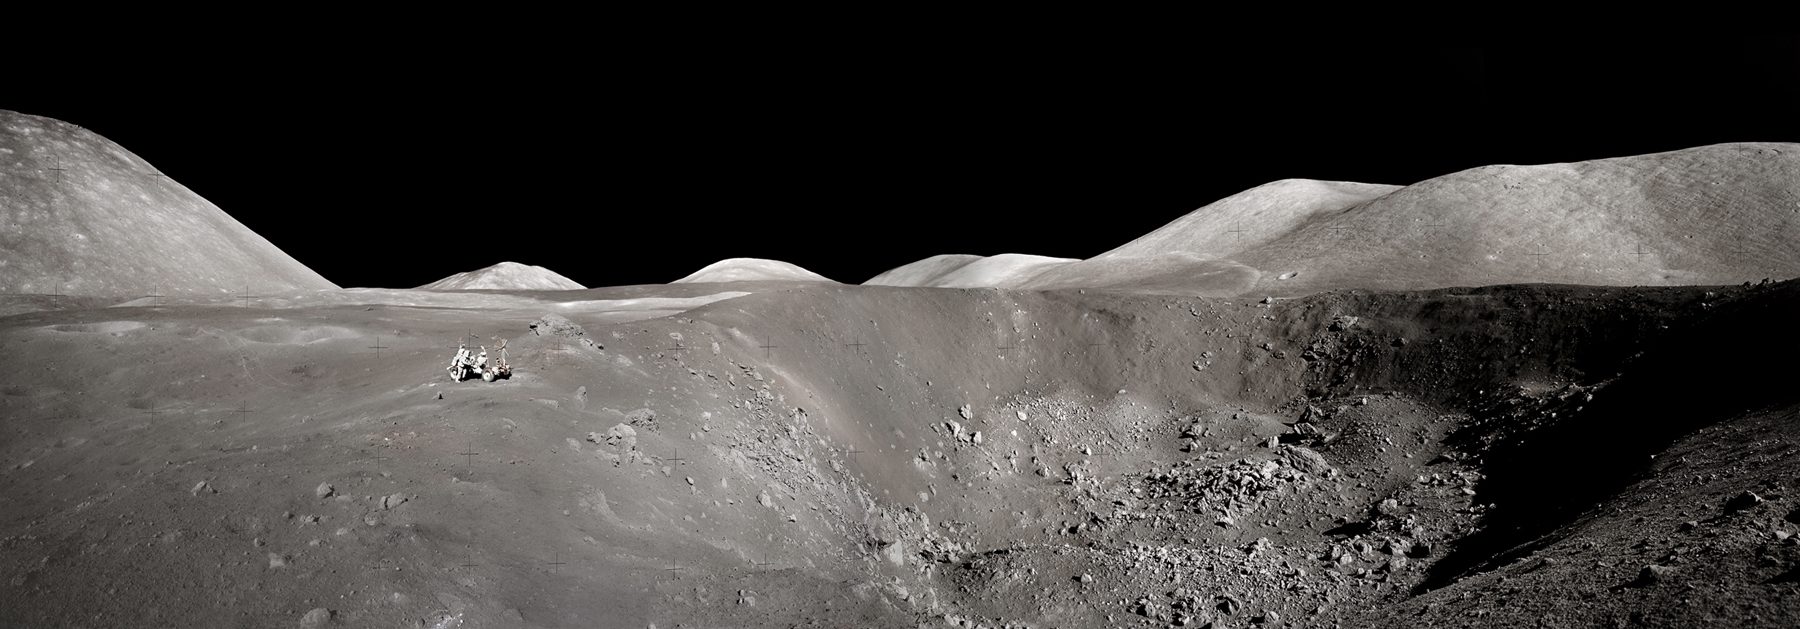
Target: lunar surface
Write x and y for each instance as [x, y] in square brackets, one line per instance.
[1370, 408]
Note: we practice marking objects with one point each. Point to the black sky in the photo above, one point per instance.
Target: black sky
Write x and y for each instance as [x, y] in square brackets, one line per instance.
[400, 162]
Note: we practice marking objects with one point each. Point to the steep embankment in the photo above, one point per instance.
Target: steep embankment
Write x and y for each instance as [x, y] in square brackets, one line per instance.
[85, 217]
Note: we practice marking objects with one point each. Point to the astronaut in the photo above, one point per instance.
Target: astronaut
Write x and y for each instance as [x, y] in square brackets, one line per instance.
[459, 365]
[481, 365]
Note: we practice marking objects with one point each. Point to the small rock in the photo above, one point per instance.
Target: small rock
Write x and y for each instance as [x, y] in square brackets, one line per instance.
[1087, 578]
[277, 561]
[642, 418]
[976, 438]
[1268, 300]
[324, 490]
[1653, 574]
[1743, 501]
[966, 412]
[1690, 525]
[690, 481]
[316, 618]
[391, 501]
[202, 487]
[1362, 401]
[1389, 507]
[764, 500]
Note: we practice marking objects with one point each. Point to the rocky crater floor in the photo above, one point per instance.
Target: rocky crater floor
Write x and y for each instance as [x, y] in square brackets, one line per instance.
[820, 455]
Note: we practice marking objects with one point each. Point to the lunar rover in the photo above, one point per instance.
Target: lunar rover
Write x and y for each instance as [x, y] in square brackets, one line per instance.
[464, 365]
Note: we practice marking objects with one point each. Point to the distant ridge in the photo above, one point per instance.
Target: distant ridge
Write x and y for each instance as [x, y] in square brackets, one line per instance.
[1007, 270]
[506, 276]
[1720, 214]
[751, 270]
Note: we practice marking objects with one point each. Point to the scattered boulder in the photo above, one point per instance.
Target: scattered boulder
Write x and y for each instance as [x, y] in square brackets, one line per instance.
[620, 435]
[1312, 415]
[1743, 501]
[316, 618]
[1193, 431]
[966, 412]
[557, 325]
[202, 488]
[324, 490]
[642, 418]
[1309, 461]
[1653, 574]
[394, 500]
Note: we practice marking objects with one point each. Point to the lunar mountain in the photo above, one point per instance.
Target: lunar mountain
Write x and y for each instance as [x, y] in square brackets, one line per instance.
[1717, 214]
[751, 270]
[759, 447]
[506, 276]
[85, 217]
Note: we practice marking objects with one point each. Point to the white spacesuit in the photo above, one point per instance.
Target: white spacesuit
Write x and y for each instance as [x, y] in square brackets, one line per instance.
[459, 365]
